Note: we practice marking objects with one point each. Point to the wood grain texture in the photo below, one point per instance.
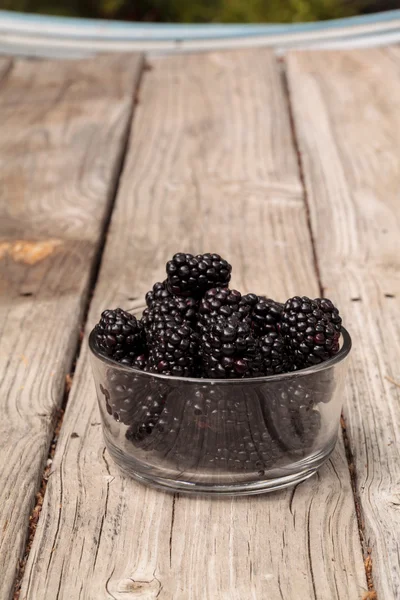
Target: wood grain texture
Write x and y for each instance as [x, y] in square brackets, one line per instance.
[62, 134]
[211, 166]
[348, 125]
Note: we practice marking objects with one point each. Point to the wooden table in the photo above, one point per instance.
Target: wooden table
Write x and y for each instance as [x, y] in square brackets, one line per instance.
[110, 165]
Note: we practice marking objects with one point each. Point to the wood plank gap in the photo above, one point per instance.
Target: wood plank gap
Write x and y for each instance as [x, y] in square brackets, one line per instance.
[366, 551]
[306, 203]
[39, 496]
[357, 502]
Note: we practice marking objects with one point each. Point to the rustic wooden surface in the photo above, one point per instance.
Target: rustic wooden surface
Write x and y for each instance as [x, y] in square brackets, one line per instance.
[211, 165]
[348, 124]
[61, 145]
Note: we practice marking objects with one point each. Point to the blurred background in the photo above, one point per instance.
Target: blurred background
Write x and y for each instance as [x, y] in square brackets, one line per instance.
[203, 11]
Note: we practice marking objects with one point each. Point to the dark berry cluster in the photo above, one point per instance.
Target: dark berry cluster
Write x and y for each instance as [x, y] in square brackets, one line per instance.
[120, 336]
[193, 275]
[311, 329]
[194, 325]
[230, 350]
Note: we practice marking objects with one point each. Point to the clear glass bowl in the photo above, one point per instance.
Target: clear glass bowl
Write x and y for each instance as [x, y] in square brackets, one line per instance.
[224, 436]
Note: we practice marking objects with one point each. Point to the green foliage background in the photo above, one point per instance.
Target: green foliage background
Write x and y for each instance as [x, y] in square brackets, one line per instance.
[203, 11]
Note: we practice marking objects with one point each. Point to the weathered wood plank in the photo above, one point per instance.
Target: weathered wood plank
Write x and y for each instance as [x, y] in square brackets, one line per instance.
[348, 124]
[211, 166]
[62, 133]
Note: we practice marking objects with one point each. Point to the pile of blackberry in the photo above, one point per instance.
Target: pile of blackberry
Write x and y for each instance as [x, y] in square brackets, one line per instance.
[195, 325]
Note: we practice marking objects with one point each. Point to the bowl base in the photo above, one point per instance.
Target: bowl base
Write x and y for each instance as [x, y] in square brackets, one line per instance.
[305, 469]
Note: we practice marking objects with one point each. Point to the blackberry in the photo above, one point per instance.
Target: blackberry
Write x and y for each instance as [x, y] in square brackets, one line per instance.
[130, 397]
[158, 326]
[290, 416]
[119, 335]
[221, 302]
[229, 350]
[266, 315]
[223, 433]
[276, 355]
[192, 275]
[157, 315]
[170, 311]
[180, 309]
[330, 310]
[308, 330]
[235, 437]
[159, 292]
[174, 350]
[157, 433]
[139, 431]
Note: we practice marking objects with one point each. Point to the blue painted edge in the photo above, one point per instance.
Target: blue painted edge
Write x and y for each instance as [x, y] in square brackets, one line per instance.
[29, 50]
[9, 17]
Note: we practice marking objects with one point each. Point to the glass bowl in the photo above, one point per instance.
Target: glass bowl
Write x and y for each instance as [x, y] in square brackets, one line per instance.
[224, 436]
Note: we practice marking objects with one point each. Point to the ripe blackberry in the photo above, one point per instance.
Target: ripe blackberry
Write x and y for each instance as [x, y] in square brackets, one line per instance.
[235, 437]
[330, 310]
[139, 431]
[172, 311]
[157, 433]
[221, 302]
[229, 350]
[130, 397]
[158, 327]
[308, 330]
[190, 275]
[119, 335]
[174, 349]
[157, 315]
[290, 416]
[183, 309]
[276, 355]
[159, 292]
[266, 315]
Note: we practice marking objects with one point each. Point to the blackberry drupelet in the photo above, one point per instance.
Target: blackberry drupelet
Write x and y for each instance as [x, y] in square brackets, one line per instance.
[229, 350]
[174, 349]
[119, 335]
[190, 275]
[159, 292]
[276, 356]
[308, 331]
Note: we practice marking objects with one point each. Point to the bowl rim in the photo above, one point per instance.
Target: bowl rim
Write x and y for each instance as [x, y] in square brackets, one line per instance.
[327, 364]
